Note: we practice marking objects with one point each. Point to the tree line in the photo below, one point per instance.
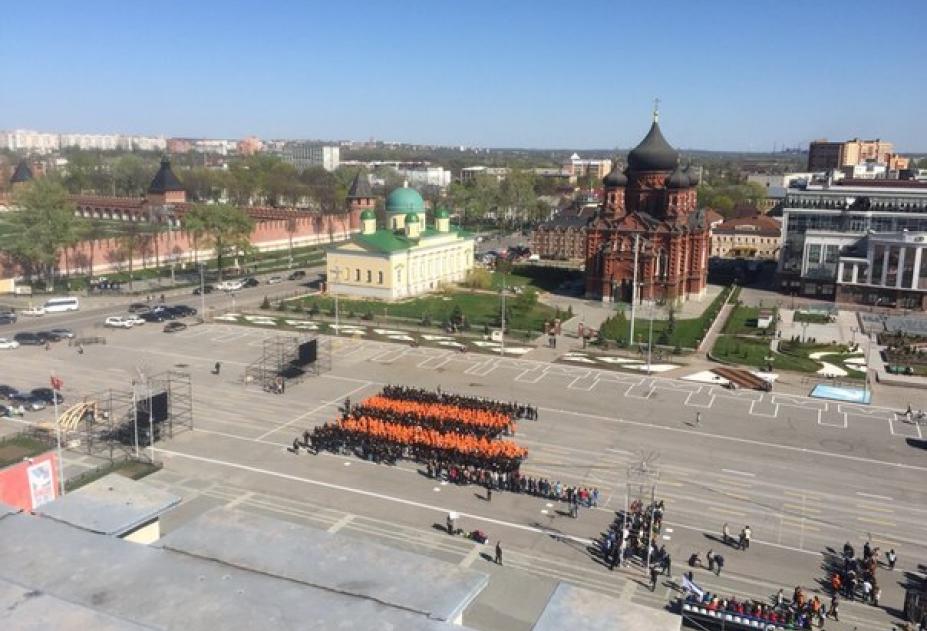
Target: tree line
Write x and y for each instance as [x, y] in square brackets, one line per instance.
[44, 226]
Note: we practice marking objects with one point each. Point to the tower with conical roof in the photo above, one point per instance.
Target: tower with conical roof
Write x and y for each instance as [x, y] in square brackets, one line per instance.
[21, 175]
[360, 199]
[165, 188]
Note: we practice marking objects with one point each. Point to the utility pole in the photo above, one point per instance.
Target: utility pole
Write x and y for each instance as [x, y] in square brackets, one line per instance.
[634, 292]
[203, 290]
[502, 332]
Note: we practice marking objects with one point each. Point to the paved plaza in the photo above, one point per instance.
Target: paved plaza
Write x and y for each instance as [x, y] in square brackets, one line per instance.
[806, 475]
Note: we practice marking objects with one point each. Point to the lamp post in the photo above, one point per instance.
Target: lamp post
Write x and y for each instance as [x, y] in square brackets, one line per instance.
[202, 290]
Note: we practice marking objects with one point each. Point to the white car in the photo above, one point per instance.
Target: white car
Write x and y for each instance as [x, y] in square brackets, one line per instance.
[273, 280]
[8, 344]
[230, 285]
[134, 319]
[33, 311]
[117, 322]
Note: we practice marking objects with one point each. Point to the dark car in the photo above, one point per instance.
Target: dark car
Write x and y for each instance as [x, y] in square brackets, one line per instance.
[205, 289]
[183, 311]
[251, 281]
[296, 275]
[63, 333]
[152, 316]
[28, 401]
[166, 312]
[7, 391]
[47, 395]
[7, 317]
[28, 339]
[48, 336]
[173, 327]
[138, 307]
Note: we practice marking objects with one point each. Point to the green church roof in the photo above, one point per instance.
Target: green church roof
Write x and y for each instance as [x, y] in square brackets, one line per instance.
[412, 218]
[405, 200]
[368, 214]
[388, 241]
[441, 213]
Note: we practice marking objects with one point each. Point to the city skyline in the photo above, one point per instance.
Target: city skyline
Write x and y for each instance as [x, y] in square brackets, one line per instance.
[477, 76]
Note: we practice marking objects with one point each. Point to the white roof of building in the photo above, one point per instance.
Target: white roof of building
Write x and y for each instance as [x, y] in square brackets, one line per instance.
[112, 505]
[572, 607]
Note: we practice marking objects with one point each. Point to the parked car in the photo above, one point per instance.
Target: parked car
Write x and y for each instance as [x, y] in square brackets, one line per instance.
[27, 339]
[205, 289]
[47, 395]
[117, 322]
[273, 280]
[7, 317]
[7, 391]
[183, 310]
[251, 281]
[296, 275]
[8, 344]
[33, 311]
[152, 316]
[47, 336]
[173, 327]
[64, 334]
[28, 401]
[138, 307]
[134, 318]
[165, 312]
[230, 285]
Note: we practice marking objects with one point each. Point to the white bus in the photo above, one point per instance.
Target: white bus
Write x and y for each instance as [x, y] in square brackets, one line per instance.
[57, 305]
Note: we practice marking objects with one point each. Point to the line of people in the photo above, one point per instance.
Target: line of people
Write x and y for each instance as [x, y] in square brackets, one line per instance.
[436, 415]
[799, 613]
[512, 410]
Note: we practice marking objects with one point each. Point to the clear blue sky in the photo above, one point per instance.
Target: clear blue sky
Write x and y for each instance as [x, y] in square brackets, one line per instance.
[739, 74]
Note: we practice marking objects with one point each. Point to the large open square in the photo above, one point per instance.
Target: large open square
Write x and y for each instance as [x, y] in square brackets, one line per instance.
[806, 475]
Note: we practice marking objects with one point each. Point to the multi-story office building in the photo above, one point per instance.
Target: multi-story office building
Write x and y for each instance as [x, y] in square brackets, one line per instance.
[303, 155]
[831, 232]
[824, 155]
[576, 168]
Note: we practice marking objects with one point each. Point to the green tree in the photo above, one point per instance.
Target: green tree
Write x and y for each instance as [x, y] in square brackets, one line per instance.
[131, 175]
[44, 225]
[225, 228]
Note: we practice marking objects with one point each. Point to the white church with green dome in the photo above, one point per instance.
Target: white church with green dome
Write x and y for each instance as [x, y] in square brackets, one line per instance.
[405, 258]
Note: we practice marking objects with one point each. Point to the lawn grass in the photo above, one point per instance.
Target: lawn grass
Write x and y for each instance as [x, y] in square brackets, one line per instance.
[738, 323]
[752, 351]
[19, 446]
[539, 277]
[813, 318]
[480, 309]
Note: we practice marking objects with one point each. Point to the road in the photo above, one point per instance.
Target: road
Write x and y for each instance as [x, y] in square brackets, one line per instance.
[806, 475]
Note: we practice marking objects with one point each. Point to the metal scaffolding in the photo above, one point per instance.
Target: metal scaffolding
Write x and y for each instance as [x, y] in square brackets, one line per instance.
[280, 361]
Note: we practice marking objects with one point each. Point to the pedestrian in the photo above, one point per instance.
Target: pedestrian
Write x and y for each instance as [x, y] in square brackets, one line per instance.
[498, 553]
[719, 563]
[47, 346]
[488, 492]
[834, 602]
[745, 535]
[711, 560]
[867, 590]
[218, 367]
[726, 533]
[876, 595]
[654, 573]
[80, 349]
[668, 566]
[698, 419]
[891, 557]
[780, 596]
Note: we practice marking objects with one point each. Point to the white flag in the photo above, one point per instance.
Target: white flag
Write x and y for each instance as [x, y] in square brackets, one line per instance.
[690, 587]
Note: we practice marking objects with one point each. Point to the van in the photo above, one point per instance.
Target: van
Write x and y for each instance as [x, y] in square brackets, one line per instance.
[58, 305]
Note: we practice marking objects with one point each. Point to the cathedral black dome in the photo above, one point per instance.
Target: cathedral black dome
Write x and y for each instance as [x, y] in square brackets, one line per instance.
[653, 153]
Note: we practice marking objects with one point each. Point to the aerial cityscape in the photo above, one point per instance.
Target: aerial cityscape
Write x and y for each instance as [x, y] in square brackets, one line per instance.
[520, 317]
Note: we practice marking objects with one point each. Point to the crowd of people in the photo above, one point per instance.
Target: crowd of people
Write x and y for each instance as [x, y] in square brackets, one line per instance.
[439, 416]
[421, 395]
[800, 612]
[855, 578]
[454, 433]
[633, 534]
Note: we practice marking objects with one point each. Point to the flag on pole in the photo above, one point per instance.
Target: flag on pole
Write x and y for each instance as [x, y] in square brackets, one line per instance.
[56, 383]
[690, 587]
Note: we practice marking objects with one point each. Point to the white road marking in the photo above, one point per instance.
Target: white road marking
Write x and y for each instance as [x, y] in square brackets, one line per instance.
[877, 497]
[341, 523]
[312, 411]
[472, 555]
[380, 496]
[735, 472]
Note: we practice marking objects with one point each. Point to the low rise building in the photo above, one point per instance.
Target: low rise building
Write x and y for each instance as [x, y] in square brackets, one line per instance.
[303, 155]
[577, 168]
[826, 156]
[563, 238]
[402, 259]
[468, 174]
[751, 237]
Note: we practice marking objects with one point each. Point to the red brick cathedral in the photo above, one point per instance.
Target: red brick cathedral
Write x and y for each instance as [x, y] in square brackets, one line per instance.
[654, 200]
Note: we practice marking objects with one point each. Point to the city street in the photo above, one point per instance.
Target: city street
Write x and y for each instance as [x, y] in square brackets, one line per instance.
[806, 475]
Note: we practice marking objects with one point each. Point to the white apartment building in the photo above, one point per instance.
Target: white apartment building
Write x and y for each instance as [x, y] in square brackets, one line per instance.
[303, 155]
[29, 140]
[426, 176]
